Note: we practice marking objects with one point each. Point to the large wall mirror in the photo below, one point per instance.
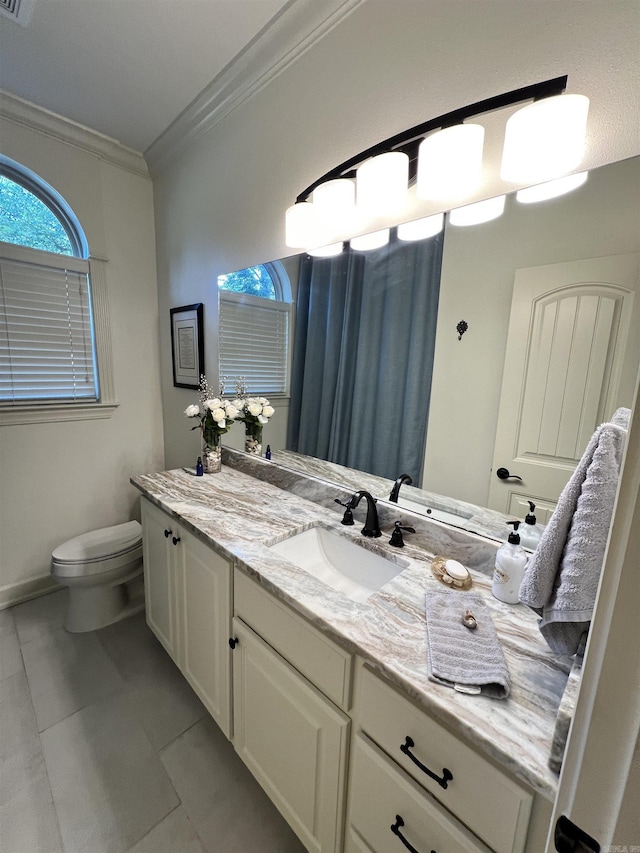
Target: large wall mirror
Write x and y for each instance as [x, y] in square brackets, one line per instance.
[585, 239]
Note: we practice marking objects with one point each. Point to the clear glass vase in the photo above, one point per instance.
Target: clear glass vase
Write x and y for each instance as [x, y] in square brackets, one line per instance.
[211, 458]
[253, 439]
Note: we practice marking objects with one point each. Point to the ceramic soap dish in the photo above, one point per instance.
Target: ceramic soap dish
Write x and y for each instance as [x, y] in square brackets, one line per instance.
[451, 573]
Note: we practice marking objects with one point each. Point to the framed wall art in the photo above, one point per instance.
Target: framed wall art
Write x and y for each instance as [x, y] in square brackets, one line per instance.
[187, 345]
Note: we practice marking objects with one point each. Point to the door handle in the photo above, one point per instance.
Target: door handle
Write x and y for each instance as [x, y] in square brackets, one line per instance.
[503, 474]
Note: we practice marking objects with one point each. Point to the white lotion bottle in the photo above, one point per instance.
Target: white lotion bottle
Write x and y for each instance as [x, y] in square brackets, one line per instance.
[530, 532]
[511, 560]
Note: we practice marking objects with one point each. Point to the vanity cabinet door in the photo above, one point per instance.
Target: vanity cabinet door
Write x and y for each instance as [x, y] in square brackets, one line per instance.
[293, 740]
[188, 607]
[203, 587]
[159, 552]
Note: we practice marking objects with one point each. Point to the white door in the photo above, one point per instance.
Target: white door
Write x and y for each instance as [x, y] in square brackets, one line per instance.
[572, 353]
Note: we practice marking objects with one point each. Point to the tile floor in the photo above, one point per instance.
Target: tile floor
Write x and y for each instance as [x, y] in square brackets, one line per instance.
[105, 748]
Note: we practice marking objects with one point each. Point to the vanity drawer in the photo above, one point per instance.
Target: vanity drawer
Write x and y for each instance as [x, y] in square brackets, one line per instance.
[494, 806]
[380, 793]
[319, 659]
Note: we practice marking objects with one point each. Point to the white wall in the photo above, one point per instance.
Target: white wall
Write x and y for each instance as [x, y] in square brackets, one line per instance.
[58, 480]
[391, 64]
[479, 264]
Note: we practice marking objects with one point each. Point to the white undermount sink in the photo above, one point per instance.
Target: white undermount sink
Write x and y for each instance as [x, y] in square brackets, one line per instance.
[343, 565]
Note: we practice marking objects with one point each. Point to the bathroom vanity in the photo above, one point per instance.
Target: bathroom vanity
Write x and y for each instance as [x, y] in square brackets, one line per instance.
[327, 699]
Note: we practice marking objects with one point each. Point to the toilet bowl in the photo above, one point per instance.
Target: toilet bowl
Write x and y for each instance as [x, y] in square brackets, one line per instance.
[97, 566]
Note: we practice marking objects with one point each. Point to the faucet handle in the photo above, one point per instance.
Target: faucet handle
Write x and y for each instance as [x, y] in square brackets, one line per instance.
[396, 536]
[347, 518]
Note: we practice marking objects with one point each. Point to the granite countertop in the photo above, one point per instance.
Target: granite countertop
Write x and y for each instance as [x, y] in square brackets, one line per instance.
[241, 516]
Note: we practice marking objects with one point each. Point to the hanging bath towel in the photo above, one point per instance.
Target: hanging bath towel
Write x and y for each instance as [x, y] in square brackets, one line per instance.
[561, 579]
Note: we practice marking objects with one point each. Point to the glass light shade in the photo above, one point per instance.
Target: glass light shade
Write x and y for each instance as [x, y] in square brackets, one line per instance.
[302, 229]
[335, 206]
[551, 189]
[326, 251]
[382, 184]
[420, 229]
[374, 240]
[545, 139]
[481, 211]
[450, 162]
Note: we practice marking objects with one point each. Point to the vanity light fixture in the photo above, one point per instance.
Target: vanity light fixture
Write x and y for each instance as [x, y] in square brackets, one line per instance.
[543, 140]
[551, 189]
[335, 204]
[382, 184]
[450, 162]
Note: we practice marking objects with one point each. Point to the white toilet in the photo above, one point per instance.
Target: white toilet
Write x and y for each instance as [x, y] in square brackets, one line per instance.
[96, 566]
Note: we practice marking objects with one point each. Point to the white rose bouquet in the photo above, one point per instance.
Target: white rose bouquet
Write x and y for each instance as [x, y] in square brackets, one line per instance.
[215, 416]
[255, 413]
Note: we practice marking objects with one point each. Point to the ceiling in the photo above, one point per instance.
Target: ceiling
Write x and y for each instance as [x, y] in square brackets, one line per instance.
[126, 68]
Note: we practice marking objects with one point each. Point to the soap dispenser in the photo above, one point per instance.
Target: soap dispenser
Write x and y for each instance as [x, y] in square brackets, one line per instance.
[530, 532]
[511, 560]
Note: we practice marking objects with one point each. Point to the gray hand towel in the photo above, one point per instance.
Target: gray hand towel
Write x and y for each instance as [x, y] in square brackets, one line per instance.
[459, 656]
[561, 578]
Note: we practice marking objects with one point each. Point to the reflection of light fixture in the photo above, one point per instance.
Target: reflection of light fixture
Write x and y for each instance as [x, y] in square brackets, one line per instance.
[374, 240]
[420, 229]
[551, 189]
[450, 162]
[533, 153]
[481, 211]
[326, 251]
[382, 183]
[545, 139]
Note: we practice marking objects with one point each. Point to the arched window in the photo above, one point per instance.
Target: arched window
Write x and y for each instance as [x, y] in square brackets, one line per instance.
[255, 328]
[32, 214]
[48, 354]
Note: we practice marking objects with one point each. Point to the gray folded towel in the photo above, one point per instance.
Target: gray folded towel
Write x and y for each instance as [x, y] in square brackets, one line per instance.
[561, 578]
[459, 657]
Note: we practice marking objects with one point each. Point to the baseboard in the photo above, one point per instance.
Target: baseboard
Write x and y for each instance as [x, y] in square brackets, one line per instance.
[15, 593]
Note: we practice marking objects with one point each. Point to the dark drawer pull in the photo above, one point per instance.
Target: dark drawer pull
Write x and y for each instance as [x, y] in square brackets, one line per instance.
[233, 642]
[167, 533]
[443, 780]
[395, 828]
[175, 539]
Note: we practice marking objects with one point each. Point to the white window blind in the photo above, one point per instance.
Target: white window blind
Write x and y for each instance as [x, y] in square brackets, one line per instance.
[46, 340]
[254, 342]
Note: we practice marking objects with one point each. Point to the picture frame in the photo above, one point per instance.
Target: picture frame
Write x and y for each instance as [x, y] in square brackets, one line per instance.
[187, 345]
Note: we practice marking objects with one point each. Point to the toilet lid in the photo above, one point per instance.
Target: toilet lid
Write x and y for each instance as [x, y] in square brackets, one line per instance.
[98, 544]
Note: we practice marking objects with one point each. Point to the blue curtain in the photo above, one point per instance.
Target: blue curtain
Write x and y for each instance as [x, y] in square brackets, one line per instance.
[363, 357]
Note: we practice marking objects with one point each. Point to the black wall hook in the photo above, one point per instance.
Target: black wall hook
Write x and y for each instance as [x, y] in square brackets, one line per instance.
[461, 328]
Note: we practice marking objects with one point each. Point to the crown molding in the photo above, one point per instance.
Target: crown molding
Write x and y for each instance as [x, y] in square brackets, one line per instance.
[300, 25]
[70, 132]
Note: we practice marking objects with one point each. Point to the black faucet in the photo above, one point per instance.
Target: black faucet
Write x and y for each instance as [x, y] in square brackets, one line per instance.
[371, 525]
[395, 491]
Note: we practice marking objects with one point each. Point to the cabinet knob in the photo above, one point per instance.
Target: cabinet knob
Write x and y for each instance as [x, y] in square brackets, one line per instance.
[167, 533]
[233, 642]
[443, 780]
[175, 539]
